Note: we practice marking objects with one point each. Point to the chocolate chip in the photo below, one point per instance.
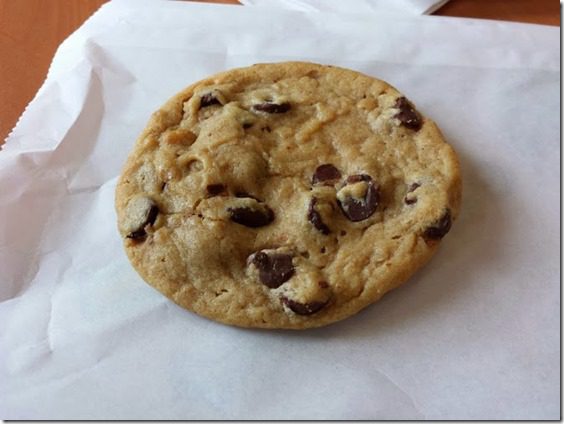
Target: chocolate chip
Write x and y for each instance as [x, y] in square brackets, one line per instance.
[137, 235]
[274, 269]
[308, 308]
[252, 218]
[245, 195]
[439, 228]
[413, 187]
[215, 189]
[247, 125]
[323, 284]
[150, 218]
[326, 172]
[269, 107]
[152, 215]
[208, 99]
[356, 209]
[410, 199]
[358, 178]
[407, 114]
[315, 218]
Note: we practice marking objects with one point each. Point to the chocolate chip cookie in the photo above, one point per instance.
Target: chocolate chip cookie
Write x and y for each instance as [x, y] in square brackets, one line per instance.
[285, 195]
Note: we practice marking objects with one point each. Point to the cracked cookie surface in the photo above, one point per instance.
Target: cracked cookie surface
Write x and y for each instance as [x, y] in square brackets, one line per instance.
[287, 195]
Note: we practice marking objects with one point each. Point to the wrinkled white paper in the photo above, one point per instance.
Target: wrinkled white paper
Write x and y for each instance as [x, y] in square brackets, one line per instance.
[474, 335]
[360, 7]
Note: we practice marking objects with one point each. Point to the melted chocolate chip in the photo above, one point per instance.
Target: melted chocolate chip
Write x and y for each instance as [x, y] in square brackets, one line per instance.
[315, 218]
[152, 215]
[326, 172]
[358, 178]
[410, 199]
[137, 234]
[247, 125]
[413, 187]
[407, 114]
[245, 195]
[215, 189]
[308, 308]
[360, 209]
[208, 99]
[439, 228]
[140, 233]
[272, 107]
[252, 218]
[274, 269]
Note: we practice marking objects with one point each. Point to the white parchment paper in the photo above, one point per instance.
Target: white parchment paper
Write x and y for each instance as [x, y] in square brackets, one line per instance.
[474, 335]
[359, 7]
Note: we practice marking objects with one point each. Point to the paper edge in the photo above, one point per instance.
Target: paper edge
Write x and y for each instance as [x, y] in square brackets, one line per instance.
[7, 140]
[421, 11]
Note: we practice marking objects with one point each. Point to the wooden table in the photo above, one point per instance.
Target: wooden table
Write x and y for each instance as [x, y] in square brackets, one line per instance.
[31, 30]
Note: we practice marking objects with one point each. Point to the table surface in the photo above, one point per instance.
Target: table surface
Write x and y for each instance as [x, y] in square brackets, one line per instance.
[31, 30]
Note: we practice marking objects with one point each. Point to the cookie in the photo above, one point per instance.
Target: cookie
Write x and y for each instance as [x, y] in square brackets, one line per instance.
[285, 195]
